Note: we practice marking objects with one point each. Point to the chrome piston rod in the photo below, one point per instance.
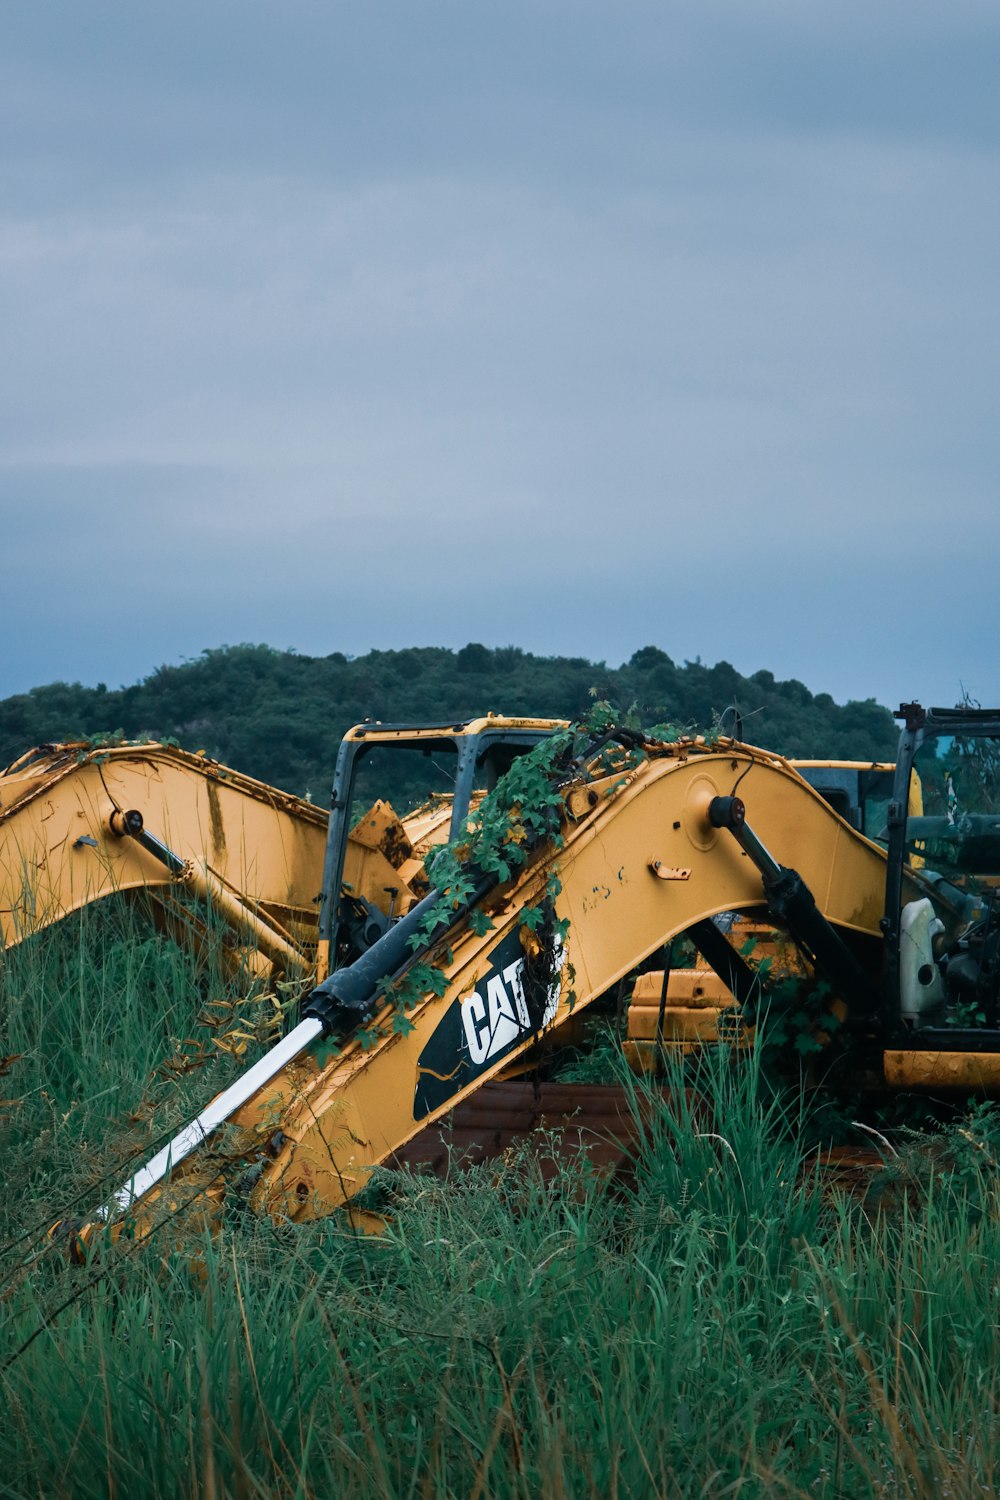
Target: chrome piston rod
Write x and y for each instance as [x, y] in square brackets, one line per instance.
[214, 1115]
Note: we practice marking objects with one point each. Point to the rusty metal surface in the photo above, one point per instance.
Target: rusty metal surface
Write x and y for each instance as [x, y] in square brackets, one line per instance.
[848, 1170]
[595, 1118]
[563, 1119]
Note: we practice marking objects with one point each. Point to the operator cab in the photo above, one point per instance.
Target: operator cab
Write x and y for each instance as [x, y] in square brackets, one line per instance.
[433, 773]
[943, 892]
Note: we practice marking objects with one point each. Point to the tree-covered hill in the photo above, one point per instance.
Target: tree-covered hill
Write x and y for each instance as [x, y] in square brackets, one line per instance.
[280, 716]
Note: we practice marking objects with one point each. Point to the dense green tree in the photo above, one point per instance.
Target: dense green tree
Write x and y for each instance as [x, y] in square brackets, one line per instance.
[279, 716]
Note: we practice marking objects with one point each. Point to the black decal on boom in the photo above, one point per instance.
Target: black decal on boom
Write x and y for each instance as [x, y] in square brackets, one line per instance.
[483, 1026]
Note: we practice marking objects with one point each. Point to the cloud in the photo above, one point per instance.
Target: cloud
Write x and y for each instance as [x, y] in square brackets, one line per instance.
[445, 322]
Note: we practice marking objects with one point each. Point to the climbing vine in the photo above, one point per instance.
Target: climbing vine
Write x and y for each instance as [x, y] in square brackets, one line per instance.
[523, 812]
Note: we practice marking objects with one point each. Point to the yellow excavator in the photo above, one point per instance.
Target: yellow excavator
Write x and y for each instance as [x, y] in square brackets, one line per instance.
[439, 971]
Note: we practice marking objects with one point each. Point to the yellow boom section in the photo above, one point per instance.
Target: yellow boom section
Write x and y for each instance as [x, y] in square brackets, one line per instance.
[640, 863]
[254, 852]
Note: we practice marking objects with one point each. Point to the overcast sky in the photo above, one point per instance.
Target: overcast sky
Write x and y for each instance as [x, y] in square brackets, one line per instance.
[569, 325]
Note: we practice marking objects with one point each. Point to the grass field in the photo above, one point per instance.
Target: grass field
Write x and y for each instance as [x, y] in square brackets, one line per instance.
[718, 1325]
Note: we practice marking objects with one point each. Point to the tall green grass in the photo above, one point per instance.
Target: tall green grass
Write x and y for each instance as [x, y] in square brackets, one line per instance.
[716, 1324]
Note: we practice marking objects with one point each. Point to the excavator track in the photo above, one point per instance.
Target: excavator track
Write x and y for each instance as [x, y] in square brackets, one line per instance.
[558, 1122]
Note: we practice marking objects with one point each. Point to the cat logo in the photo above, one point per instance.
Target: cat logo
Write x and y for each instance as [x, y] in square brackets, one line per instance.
[496, 1015]
[483, 1025]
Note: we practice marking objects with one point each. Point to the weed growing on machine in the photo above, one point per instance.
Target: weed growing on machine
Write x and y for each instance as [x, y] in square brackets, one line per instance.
[500, 837]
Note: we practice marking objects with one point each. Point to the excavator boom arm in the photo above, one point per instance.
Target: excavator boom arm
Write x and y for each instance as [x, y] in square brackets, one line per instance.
[638, 862]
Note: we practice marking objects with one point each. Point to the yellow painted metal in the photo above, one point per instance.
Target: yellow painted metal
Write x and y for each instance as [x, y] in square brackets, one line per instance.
[784, 959]
[322, 959]
[380, 864]
[694, 989]
[434, 732]
[967, 1072]
[191, 928]
[265, 933]
[689, 1017]
[640, 863]
[843, 765]
[60, 850]
[696, 997]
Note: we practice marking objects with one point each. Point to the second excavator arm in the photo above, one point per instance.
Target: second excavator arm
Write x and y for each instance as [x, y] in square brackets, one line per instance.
[79, 822]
